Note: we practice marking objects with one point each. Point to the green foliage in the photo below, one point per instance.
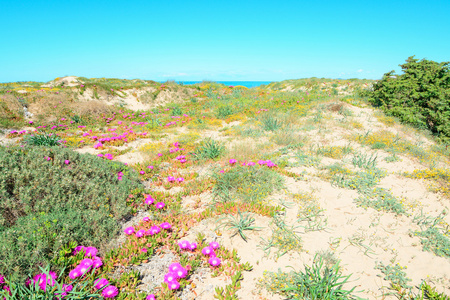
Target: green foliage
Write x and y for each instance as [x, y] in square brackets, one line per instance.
[208, 149]
[394, 274]
[80, 290]
[224, 111]
[239, 224]
[43, 140]
[364, 161]
[318, 281]
[270, 123]
[46, 204]
[434, 234]
[381, 199]
[420, 96]
[249, 184]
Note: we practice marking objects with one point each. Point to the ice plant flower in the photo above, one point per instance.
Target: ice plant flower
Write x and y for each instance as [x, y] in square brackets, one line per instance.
[160, 205]
[97, 262]
[77, 249]
[150, 297]
[87, 262]
[174, 267]
[144, 250]
[174, 285]
[142, 172]
[140, 233]
[149, 200]
[75, 273]
[129, 230]
[83, 269]
[184, 244]
[232, 161]
[193, 246]
[67, 161]
[181, 272]
[165, 226]
[215, 245]
[169, 277]
[208, 251]
[160, 154]
[100, 283]
[214, 261]
[145, 219]
[154, 230]
[170, 179]
[90, 251]
[110, 292]
[180, 179]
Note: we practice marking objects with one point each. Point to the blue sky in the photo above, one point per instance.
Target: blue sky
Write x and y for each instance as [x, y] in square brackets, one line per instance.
[218, 40]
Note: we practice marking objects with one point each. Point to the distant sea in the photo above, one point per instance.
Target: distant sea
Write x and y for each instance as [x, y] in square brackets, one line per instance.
[248, 84]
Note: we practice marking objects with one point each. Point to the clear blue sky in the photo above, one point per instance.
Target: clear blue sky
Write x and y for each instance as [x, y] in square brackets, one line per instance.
[218, 40]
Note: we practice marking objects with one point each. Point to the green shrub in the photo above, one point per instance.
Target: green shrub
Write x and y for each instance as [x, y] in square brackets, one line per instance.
[246, 183]
[420, 96]
[45, 204]
[208, 149]
[225, 111]
[43, 140]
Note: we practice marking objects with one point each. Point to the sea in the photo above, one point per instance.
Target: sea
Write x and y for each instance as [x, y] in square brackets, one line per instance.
[248, 84]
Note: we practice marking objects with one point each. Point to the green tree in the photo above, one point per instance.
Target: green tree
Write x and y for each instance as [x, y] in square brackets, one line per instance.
[420, 96]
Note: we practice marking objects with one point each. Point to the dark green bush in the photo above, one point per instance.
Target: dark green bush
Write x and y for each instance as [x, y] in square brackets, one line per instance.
[43, 140]
[420, 96]
[208, 149]
[225, 111]
[46, 204]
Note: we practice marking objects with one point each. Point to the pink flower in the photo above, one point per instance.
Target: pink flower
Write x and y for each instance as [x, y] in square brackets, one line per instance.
[90, 251]
[87, 262]
[110, 292]
[129, 230]
[208, 251]
[154, 230]
[174, 267]
[193, 246]
[214, 261]
[140, 233]
[170, 178]
[181, 272]
[174, 285]
[215, 245]
[75, 273]
[160, 154]
[145, 219]
[83, 269]
[144, 250]
[97, 262]
[149, 200]
[150, 167]
[77, 249]
[150, 297]
[184, 245]
[160, 205]
[142, 172]
[100, 283]
[232, 161]
[165, 225]
[169, 277]
[180, 179]
[67, 161]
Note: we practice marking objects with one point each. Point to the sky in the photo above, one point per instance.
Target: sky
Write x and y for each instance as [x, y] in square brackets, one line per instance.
[218, 40]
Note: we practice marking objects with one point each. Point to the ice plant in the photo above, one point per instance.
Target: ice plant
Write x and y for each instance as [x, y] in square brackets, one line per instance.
[100, 283]
[150, 297]
[174, 267]
[140, 233]
[90, 251]
[184, 245]
[165, 226]
[193, 246]
[181, 272]
[180, 179]
[169, 277]
[129, 230]
[97, 262]
[145, 219]
[142, 172]
[110, 292]
[67, 161]
[75, 273]
[215, 245]
[87, 262]
[160, 205]
[232, 161]
[170, 179]
[214, 261]
[174, 285]
[208, 251]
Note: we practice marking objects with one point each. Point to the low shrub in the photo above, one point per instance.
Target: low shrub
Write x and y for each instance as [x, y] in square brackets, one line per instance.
[48, 195]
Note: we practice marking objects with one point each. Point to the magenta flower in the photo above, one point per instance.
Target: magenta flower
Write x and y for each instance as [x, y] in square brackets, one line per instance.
[77, 249]
[251, 163]
[169, 277]
[174, 285]
[160, 154]
[181, 272]
[100, 283]
[142, 172]
[90, 251]
[165, 226]
[180, 179]
[129, 230]
[84, 269]
[170, 178]
[67, 161]
[208, 251]
[87, 262]
[110, 292]
[140, 233]
[150, 167]
[174, 267]
[193, 246]
[2, 279]
[145, 219]
[232, 161]
[154, 230]
[160, 205]
[149, 200]
[214, 261]
[97, 262]
[150, 297]
[75, 273]
[184, 245]
[215, 245]
[144, 250]
[262, 162]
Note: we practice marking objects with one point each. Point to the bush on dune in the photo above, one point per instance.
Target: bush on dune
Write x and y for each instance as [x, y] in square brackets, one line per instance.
[50, 196]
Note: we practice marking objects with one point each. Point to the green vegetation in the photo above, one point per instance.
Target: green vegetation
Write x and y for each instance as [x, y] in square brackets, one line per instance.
[39, 214]
[420, 96]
